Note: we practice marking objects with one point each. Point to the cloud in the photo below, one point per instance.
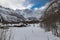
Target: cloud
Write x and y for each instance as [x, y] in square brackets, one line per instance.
[43, 7]
[19, 4]
[41, 10]
[33, 1]
[15, 4]
[37, 3]
[29, 6]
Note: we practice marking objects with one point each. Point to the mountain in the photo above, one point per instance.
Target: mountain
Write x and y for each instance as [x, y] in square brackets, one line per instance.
[51, 18]
[8, 15]
[38, 13]
[30, 13]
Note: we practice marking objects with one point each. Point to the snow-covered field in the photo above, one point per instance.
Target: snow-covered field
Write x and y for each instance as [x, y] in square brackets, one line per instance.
[31, 32]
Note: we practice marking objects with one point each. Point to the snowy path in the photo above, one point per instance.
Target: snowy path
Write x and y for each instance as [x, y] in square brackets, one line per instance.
[31, 33]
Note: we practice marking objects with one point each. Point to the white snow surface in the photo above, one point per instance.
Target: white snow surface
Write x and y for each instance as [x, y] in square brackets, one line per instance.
[31, 32]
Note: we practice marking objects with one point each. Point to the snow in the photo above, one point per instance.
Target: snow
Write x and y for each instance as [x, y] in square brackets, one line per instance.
[31, 32]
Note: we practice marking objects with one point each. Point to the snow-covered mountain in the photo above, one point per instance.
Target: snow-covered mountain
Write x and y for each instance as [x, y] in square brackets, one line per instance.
[25, 12]
[38, 13]
[30, 13]
[10, 15]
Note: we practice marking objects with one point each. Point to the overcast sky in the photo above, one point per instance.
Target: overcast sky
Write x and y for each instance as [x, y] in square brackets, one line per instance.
[23, 4]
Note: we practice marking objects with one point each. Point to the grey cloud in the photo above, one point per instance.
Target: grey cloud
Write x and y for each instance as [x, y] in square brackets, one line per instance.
[12, 3]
